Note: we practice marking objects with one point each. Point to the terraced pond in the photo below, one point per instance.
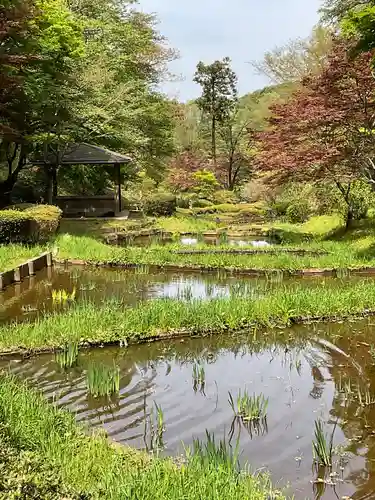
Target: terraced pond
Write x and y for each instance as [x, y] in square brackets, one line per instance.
[307, 373]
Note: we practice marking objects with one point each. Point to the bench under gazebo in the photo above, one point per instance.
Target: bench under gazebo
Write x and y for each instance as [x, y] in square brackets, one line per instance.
[83, 154]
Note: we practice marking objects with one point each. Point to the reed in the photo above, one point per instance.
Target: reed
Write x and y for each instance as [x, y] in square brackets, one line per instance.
[67, 358]
[218, 455]
[249, 407]
[103, 380]
[322, 445]
[199, 377]
[153, 435]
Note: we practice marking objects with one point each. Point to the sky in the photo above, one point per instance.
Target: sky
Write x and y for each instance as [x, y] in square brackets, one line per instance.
[244, 30]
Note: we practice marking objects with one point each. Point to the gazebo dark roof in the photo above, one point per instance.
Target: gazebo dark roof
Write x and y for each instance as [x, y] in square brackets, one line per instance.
[82, 154]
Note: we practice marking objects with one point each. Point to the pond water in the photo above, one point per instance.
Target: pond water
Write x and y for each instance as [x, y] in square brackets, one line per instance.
[33, 297]
[193, 240]
[307, 373]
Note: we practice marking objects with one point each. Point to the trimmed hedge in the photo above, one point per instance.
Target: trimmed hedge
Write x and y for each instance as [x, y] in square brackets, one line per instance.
[28, 223]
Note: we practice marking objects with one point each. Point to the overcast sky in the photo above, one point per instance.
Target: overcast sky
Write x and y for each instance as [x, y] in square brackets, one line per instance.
[241, 29]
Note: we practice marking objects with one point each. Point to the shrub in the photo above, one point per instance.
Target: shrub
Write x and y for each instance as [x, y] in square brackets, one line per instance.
[27, 223]
[298, 212]
[361, 198]
[224, 196]
[160, 204]
[205, 183]
[201, 203]
[213, 209]
[15, 226]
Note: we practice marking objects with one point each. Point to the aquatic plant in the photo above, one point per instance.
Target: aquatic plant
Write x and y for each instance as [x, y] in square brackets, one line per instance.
[103, 380]
[199, 377]
[62, 296]
[249, 407]
[212, 454]
[154, 430]
[322, 445]
[67, 357]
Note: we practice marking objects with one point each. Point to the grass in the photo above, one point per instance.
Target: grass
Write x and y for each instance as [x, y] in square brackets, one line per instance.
[92, 466]
[154, 430]
[67, 358]
[13, 255]
[164, 317]
[219, 455]
[249, 407]
[199, 377]
[103, 380]
[322, 447]
[354, 252]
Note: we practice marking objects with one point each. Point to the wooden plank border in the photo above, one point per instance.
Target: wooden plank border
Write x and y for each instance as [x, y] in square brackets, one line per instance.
[25, 270]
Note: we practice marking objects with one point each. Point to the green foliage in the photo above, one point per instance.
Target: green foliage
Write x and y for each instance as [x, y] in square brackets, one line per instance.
[26, 474]
[160, 204]
[14, 226]
[68, 356]
[322, 447]
[29, 223]
[220, 456]
[205, 183]
[115, 473]
[219, 94]
[103, 380]
[298, 212]
[224, 196]
[361, 198]
[249, 407]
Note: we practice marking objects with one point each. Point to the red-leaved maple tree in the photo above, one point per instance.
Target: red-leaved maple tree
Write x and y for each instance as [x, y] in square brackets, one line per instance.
[326, 130]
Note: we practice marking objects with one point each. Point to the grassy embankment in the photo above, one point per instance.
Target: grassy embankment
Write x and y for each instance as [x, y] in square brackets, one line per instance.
[46, 455]
[172, 317]
[13, 255]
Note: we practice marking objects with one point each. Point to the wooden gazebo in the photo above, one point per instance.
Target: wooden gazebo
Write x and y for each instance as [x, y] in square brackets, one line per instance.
[81, 154]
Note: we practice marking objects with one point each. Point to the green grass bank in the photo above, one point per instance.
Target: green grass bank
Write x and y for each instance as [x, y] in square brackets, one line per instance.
[86, 323]
[60, 461]
[13, 255]
[345, 254]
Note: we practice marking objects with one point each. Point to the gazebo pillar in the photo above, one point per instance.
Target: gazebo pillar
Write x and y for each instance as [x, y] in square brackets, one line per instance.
[117, 166]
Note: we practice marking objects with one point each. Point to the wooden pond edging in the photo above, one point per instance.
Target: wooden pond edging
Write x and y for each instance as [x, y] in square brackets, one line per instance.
[26, 269]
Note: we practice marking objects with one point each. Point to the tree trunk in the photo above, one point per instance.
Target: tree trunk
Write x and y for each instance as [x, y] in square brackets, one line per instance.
[6, 186]
[6, 191]
[213, 139]
[349, 218]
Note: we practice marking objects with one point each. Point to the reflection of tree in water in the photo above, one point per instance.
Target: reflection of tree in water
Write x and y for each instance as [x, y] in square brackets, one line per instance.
[354, 380]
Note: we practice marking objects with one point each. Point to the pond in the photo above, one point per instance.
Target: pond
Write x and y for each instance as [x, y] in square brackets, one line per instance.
[34, 296]
[307, 373]
[194, 240]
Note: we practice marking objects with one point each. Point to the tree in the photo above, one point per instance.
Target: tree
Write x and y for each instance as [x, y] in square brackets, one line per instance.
[333, 11]
[325, 132]
[125, 59]
[219, 94]
[236, 153]
[39, 43]
[297, 58]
